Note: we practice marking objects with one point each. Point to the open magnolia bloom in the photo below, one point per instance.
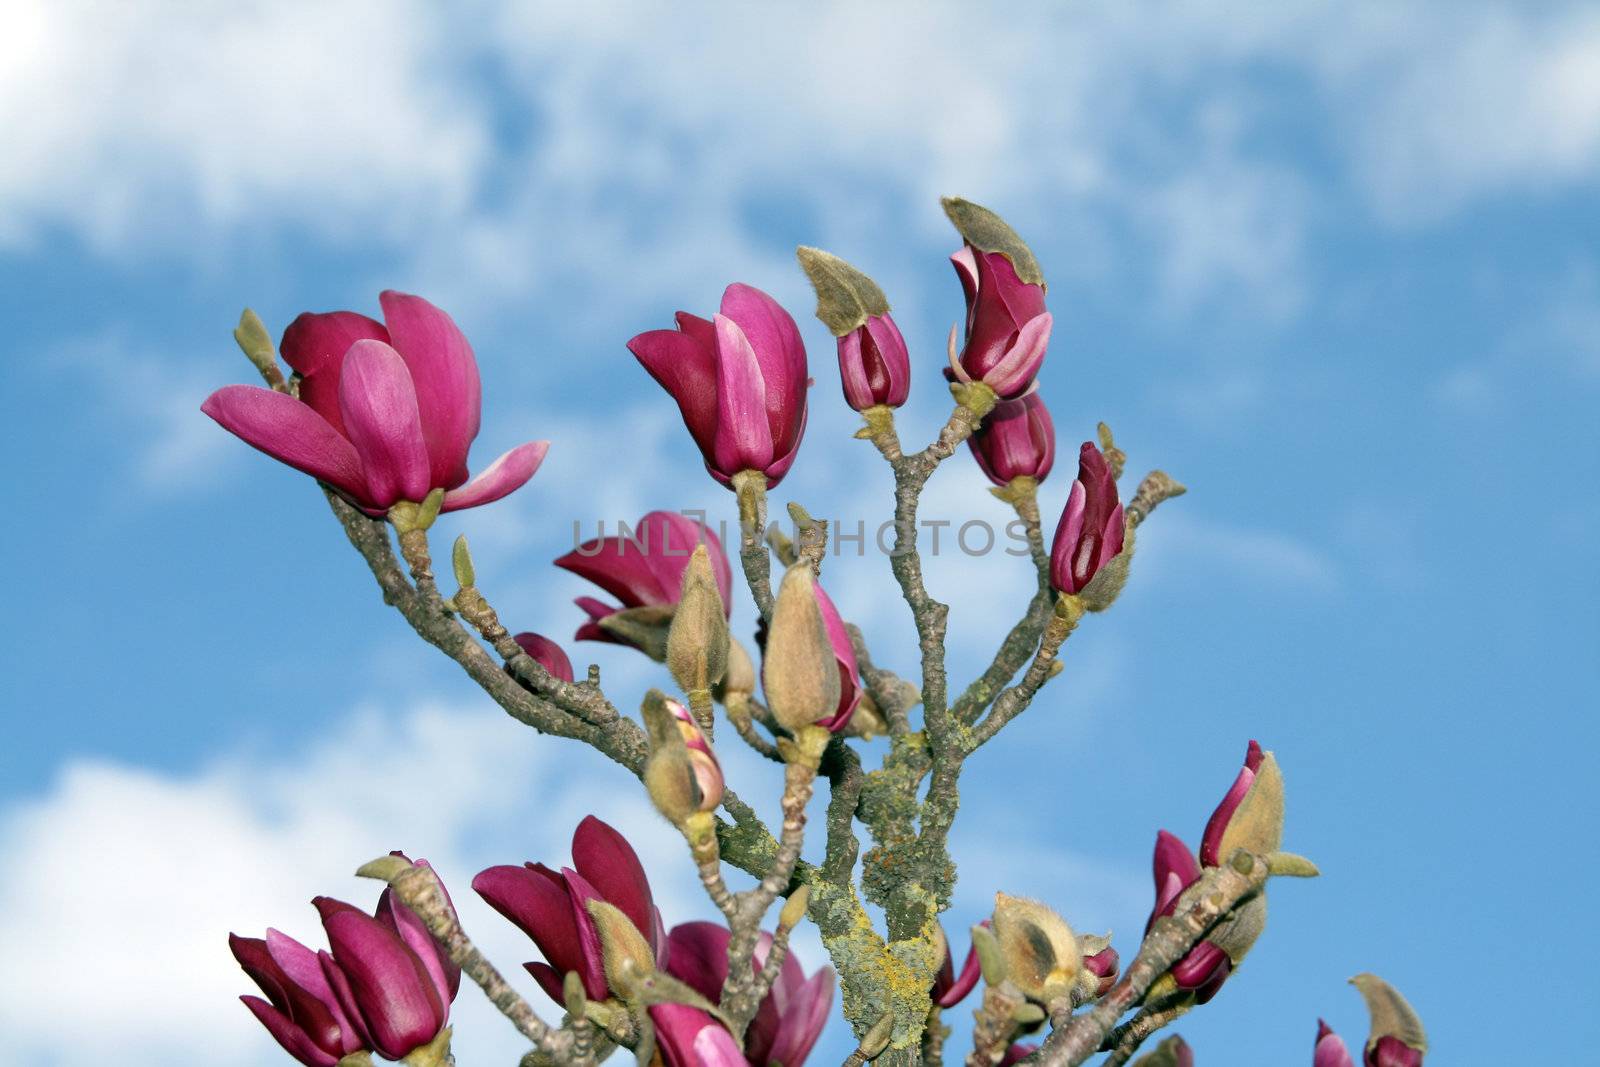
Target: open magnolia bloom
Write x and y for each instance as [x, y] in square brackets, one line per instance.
[644, 570]
[739, 380]
[386, 413]
[550, 906]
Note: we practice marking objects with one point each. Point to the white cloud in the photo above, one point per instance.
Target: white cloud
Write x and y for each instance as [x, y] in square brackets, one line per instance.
[1221, 552]
[124, 883]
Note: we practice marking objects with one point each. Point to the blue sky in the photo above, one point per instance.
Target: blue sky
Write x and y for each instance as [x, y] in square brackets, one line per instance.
[1332, 265]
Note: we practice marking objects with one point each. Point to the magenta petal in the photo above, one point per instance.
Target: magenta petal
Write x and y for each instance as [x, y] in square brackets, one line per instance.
[315, 344]
[698, 955]
[288, 431]
[300, 965]
[844, 654]
[780, 466]
[744, 434]
[291, 1037]
[445, 374]
[579, 893]
[1069, 532]
[501, 478]
[803, 1020]
[667, 540]
[346, 1000]
[379, 407]
[607, 862]
[1390, 1051]
[1015, 371]
[1331, 1050]
[1199, 966]
[895, 359]
[1217, 825]
[1175, 870]
[549, 979]
[779, 350]
[536, 900]
[689, 1037]
[684, 363]
[853, 372]
[548, 654]
[415, 933]
[964, 982]
[390, 986]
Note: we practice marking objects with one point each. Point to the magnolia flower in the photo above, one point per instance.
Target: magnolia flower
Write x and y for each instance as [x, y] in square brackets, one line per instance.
[1103, 965]
[1091, 531]
[386, 986]
[550, 907]
[548, 654]
[386, 412]
[1016, 440]
[1007, 328]
[789, 1020]
[874, 365]
[739, 380]
[1206, 966]
[644, 570]
[1330, 1049]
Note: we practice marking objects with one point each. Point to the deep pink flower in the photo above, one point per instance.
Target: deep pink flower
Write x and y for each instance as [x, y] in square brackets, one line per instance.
[739, 380]
[1090, 532]
[549, 654]
[644, 569]
[1390, 1051]
[689, 1037]
[950, 988]
[789, 1020]
[1330, 1049]
[1008, 328]
[300, 1011]
[386, 986]
[387, 411]
[550, 907]
[1017, 439]
[874, 364]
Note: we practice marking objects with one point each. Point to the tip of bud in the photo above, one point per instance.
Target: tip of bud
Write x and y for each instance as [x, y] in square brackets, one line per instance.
[988, 232]
[461, 563]
[846, 297]
[384, 868]
[794, 909]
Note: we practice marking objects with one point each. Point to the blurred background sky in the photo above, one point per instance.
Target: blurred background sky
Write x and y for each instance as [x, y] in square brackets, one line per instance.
[1333, 265]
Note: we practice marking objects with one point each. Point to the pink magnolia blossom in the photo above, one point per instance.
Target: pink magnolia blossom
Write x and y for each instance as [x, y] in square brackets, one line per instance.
[1330, 1049]
[1090, 532]
[1008, 328]
[386, 986]
[644, 569]
[387, 411]
[739, 380]
[551, 909]
[789, 1020]
[548, 654]
[1017, 439]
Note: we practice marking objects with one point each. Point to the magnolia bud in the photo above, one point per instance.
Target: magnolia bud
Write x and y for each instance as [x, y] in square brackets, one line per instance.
[799, 671]
[682, 774]
[1042, 957]
[626, 954]
[1257, 823]
[739, 680]
[1396, 1038]
[1173, 1052]
[697, 641]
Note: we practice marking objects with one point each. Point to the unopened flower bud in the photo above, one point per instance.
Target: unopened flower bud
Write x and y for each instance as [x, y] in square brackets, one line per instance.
[624, 951]
[1007, 326]
[546, 653]
[739, 680]
[873, 363]
[1016, 440]
[1100, 963]
[1251, 815]
[799, 671]
[682, 774]
[1396, 1038]
[794, 909]
[1042, 958]
[1091, 531]
[697, 642]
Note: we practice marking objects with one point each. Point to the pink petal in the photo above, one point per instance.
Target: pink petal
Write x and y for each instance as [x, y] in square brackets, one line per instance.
[964, 982]
[1330, 1049]
[780, 466]
[853, 372]
[502, 477]
[688, 1037]
[804, 1019]
[579, 893]
[893, 359]
[606, 861]
[1068, 533]
[315, 344]
[1015, 371]
[617, 565]
[1217, 825]
[849, 672]
[549, 980]
[966, 265]
[1175, 870]
[291, 1037]
[394, 993]
[536, 900]
[684, 364]
[445, 374]
[744, 434]
[780, 353]
[289, 432]
[549, 654]
[302, 967]
[415, 933]
[698, 955]
[379, 407]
